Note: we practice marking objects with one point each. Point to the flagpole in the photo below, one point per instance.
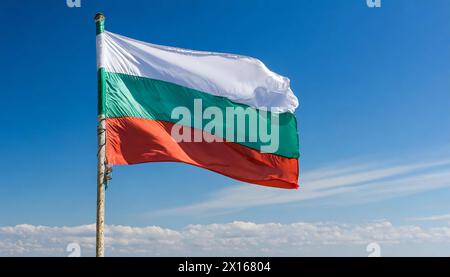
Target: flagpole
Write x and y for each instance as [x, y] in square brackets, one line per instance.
[101, 153]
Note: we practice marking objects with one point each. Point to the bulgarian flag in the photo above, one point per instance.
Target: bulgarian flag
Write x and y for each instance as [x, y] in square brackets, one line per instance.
[222, 112]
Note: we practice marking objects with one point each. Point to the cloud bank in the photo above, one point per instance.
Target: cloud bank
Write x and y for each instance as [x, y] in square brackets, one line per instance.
[229, 239]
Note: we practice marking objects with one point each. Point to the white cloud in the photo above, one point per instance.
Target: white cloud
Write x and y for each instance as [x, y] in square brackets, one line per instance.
[229, 239]
[350, 183]
[441, 217]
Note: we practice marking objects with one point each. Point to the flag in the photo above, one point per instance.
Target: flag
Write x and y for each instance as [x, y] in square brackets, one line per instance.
[226, 113]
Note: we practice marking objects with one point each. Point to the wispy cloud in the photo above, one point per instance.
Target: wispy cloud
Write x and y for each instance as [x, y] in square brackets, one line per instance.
[441, 217]
[353, 182]
[228, 239]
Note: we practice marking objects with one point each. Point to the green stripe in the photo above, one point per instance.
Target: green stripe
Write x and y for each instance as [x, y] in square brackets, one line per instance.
[147, 98]
[101, 91]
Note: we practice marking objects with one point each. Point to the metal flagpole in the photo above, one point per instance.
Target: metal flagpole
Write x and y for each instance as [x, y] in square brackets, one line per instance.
[101, 153]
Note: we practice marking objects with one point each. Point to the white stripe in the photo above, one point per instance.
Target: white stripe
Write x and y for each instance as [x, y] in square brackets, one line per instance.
[241, 79]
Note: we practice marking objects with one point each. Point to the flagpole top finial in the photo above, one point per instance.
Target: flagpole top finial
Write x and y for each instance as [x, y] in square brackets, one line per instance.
[99, 17]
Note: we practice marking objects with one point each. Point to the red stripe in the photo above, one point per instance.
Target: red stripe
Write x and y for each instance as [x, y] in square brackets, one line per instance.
[135, 140]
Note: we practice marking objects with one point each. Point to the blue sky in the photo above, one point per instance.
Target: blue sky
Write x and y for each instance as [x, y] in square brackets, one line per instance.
[372, 83]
